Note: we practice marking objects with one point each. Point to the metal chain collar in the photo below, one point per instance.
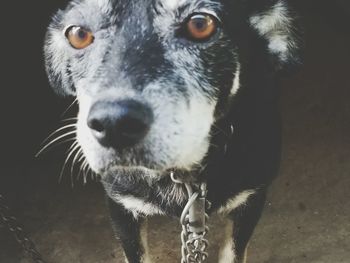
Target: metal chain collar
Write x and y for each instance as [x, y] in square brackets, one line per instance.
[194, 223]
[194, 218]
[21, 237]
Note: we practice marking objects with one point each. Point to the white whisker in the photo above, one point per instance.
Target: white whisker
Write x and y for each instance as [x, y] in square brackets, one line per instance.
[69, 151]
[54, 141]
[75, 146]
[76, 157]
[69, 107]
[82, 165]
[72, 146]
[58, 130]
[70, 119]
[82, 157]
[86, 171]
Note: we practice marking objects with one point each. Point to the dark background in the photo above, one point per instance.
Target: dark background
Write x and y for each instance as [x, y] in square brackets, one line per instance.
[30, 110]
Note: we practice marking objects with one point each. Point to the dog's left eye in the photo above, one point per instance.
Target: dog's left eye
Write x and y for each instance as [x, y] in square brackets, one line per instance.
[79, 37]
[200, 27]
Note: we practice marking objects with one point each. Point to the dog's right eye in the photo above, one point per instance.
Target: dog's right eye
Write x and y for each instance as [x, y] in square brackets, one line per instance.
[199, 27]
[79, 37]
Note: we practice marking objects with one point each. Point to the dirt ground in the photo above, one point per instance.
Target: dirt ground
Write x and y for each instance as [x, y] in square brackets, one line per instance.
[307, 216]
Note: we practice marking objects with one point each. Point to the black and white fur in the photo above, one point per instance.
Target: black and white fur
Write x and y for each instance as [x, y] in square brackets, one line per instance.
[215, 105]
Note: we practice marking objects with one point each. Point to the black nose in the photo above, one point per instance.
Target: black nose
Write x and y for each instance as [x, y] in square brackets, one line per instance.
[119, 124]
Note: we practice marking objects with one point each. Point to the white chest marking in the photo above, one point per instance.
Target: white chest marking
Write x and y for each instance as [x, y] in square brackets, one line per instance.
[138, 206]
[235, 202]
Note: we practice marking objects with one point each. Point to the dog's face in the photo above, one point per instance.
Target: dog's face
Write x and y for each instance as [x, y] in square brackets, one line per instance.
[152, 76]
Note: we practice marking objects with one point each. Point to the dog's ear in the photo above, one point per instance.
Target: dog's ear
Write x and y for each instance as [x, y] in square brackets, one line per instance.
[277, 23]
[57, 63]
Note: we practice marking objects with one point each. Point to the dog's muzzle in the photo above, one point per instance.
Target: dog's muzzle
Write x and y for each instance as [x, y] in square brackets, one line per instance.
[119, 124]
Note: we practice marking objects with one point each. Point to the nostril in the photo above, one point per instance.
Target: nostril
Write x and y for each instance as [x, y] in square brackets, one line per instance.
[96, 125]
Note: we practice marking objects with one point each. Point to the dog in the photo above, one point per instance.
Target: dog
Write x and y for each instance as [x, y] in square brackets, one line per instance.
[188, 87]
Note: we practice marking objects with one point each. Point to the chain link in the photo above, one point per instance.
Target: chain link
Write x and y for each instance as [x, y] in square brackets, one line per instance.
[194, 224]
[21, 237]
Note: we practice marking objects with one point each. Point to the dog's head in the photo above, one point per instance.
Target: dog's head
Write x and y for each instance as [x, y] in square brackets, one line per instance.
[153, 76]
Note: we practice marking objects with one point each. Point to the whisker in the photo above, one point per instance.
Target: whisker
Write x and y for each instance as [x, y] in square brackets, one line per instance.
[82, 160]
[66, 161]
[58, 130]
[70, 119]
[53, 141]
[82, 165]
[94, 176]
[82, 157]
[69, 107]
[86, 172]
[76, 157]
[219, 129]
[76, 148]
[65, 141]
[214, 145]
[73, 148]
[91, 174]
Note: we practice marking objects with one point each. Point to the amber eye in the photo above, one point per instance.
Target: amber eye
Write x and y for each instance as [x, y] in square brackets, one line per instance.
[201, 27]
[79, 37]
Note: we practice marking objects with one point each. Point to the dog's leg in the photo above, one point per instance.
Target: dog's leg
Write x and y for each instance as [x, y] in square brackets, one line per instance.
[239, 229]
[227, 252]
[131, 232]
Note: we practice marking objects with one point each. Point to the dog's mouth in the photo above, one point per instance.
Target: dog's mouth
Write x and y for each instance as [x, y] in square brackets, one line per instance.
[120, 178]
[143, 171]
[121, 170]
